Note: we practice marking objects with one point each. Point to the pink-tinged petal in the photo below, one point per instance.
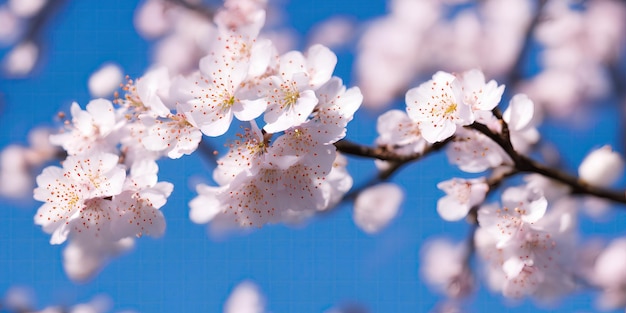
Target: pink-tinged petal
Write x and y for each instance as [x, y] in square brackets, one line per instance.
[291, 63]
[281, 119]
[247, 110]
[260, 57]
[82, 120]
[103, 115]
[450, 209]
[157, 195]
[513, 267]
[437, 132]
[218, 125]
[520, 112]
[205, 206]
[375, 207]
[321, 63]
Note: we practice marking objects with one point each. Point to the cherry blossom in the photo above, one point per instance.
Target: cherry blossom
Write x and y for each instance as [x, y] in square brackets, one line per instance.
[461, 196]
[92, 130]
[474, 152]
[399, 133]
[75, 195]
[375, 207]
[439, 107]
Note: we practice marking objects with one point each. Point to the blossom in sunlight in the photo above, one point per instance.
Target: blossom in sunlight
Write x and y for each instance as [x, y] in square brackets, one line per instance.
[461, 196]
[376, 206]
[173, 135]
[218, 96]
[439, 107]
[137, 207]
[397, 132]
[95, 129]
[75, 195]
[290, 95]
[527, 248]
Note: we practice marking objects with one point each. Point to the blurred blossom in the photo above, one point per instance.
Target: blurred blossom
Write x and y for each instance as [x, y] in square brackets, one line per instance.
[9, 26]
[334, 32]
[602, 167]
[610, 275]
[21, 59]
[105, 80]
[19, 299]
[245, 298]
[84, 259]
[18, 163]
[376, 206]
[443, 267]
[26, 8]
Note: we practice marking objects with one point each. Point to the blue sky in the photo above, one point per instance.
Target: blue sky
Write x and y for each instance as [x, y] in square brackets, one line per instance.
[305, 269]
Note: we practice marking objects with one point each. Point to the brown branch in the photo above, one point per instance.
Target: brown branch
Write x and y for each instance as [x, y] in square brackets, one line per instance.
[525, 164]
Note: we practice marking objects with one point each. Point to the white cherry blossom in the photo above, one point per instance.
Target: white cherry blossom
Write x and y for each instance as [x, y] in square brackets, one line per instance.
[399, 133]
[75, 195]
[173, 135]
[92, 130]
[376, 206]
[438, 105]
[461, 196]
[218, 96]
[474, 152]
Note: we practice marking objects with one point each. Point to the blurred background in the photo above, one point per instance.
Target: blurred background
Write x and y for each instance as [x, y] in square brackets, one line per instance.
[571, 65]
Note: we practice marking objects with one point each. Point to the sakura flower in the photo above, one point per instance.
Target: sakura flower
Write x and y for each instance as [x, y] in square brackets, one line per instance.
[336, 107]
[528, 250]
[137, 207]
[290, 96]
[289, 102]
[461, 196]
[478, 94]
[397, 132]
[253, 201]
[602, 167]
[245, 153]
[521, 206]
[375, 207]
[77, 192]
[93, 130]
[439, 107]
[217, 96]
[474, 152]
[152, 88]
[173, 135]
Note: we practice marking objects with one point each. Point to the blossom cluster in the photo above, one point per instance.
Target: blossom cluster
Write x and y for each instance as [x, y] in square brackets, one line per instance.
[527, 242]
[283, 167]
